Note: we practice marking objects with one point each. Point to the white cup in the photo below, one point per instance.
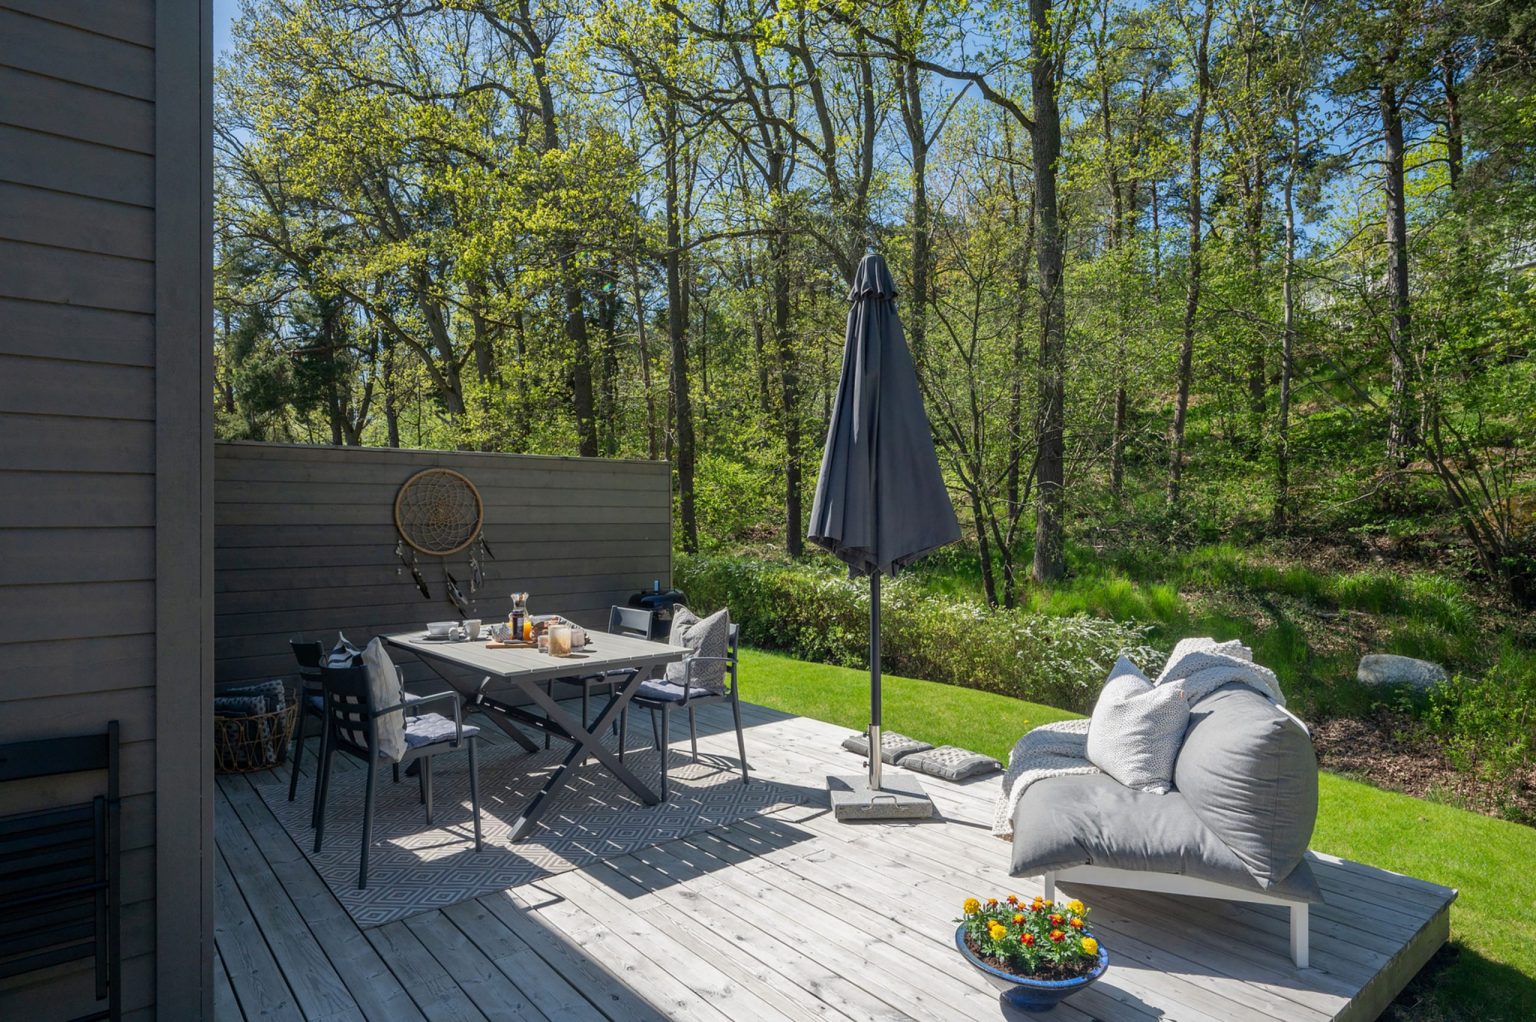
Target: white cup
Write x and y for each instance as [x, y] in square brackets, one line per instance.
[440, 628]
[472, 629]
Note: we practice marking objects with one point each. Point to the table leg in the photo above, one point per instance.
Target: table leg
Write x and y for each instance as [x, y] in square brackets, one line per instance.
[583, 743]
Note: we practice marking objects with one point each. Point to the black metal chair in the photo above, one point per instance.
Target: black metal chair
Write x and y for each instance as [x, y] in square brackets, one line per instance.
[353, 725]
[60, 869]
[658, 694]
[311, 699]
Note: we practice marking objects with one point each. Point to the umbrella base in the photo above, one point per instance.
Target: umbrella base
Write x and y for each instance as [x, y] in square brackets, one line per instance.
[897, 798]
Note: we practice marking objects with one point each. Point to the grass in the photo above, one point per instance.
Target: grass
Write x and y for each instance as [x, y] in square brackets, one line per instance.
[1491, 973]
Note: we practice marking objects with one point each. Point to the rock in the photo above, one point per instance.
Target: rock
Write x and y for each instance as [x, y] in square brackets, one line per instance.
[1379, 669]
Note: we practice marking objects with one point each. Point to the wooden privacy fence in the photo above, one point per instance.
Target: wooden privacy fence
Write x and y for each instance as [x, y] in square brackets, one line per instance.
[304, 543]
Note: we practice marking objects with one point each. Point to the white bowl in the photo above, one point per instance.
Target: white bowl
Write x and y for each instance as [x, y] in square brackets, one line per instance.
[441, 627]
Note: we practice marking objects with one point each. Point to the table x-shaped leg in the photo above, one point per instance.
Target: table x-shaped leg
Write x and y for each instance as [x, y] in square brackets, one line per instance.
[583, 743]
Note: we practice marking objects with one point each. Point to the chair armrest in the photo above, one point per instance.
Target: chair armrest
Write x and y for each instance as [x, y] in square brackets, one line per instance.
[698, 659]
[414, 703]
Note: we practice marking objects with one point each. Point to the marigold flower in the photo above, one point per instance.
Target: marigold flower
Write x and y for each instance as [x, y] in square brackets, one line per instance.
[1013, 899]
[1076, 906]
[1055, 919]
[971, 906]
[1018, 920]
[997, 931]
[991, 903]
[1090, 946]
[1058, 936]
[1028, 940]
[1037, 904]
[1077, 923]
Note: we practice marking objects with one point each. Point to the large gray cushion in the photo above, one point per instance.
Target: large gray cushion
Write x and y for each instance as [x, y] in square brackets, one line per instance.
[950, 763]
[893, 746]
[1092, 819]
[707, 637]
[385, 690]
[1136, 729]
[1249, 773]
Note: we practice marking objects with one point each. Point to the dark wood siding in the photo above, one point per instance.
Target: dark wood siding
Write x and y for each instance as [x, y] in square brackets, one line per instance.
[103, 305]
[305, 543]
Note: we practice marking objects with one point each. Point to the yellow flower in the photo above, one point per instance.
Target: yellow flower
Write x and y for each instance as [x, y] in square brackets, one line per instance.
[971, 906]
[997, 931]
[1090, 946]
[1077, 906]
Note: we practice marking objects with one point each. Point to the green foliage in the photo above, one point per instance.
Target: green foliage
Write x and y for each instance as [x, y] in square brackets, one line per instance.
[1487, 724]
[816, 614]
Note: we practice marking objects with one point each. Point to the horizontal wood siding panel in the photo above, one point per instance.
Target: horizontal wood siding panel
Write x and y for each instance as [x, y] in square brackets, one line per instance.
[63, 51]
[42, 386]
[305, 543]
[66, 557]
[44, 217]
[68, 277]
[80, 168]
[33, 667]
[42, 443]
[85, 500]
[39, 613]
[34, 101]
[83, 335]
[130, 22]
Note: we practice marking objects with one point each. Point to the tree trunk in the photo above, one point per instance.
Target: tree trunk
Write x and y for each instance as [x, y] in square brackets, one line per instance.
[1050, 467]
[677, 334]
[1400, 416]
[917, 142]
[1453, 131]
[1281, 513]
[789, 379]
[1192, 289]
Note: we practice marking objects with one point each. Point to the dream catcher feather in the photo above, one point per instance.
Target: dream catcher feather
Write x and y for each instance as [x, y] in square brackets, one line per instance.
[439, 512]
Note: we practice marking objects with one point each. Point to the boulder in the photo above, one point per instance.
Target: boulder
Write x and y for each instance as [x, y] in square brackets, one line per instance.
[1378, 669]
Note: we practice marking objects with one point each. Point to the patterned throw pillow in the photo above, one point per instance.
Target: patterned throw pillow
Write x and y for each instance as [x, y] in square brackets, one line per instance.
[893, 746]
[707, 637]
[385, 689]
[950, 762]
[1136, 729]
[274, 692]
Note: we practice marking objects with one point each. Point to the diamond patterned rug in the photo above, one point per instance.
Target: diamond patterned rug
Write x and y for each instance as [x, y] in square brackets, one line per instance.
[414, 867]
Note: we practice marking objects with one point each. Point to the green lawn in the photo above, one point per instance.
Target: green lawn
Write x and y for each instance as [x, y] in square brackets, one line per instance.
[1491, 974]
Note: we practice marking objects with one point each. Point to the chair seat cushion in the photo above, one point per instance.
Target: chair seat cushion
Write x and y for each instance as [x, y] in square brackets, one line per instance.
[431, 728]
[949, 763]
[893, 747]
[1092, 819]
[664, 691]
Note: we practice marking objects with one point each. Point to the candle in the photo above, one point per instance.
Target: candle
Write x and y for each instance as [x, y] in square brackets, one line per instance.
[559, 640]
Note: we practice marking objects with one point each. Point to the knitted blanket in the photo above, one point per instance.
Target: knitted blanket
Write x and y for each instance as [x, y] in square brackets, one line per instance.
[1199, 666]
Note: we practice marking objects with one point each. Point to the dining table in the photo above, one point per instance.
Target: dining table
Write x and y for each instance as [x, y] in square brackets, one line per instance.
[510, 686]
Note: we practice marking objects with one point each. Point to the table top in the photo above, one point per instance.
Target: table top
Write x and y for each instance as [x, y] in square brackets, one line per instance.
[604, 653]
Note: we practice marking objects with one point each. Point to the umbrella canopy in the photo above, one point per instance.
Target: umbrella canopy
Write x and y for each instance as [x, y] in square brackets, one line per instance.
[880, 499]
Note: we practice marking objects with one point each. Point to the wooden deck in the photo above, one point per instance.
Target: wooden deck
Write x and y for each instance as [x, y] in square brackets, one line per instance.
[791, 915]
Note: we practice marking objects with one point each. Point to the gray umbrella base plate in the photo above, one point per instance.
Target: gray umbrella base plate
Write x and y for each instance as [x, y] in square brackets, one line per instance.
[898, 798]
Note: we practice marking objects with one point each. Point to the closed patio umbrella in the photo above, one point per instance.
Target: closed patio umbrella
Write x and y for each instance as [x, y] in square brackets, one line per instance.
[880, 499]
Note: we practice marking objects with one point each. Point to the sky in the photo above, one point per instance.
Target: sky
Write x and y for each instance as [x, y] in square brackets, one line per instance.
[224, 13]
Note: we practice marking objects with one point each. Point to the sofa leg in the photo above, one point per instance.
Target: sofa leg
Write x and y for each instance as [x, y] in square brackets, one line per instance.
[1050, 887]
[1300, 937]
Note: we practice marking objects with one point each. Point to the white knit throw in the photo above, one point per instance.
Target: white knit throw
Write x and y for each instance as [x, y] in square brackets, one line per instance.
[1199, 666]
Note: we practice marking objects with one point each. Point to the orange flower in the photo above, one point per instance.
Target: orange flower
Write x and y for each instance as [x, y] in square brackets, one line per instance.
[971, 906]
[1058, 936]
[991, 903]
[1038, 904]
[1077, 924]
[1018, 920]
[1013, 899]
[1028, 940]
[1055, 919]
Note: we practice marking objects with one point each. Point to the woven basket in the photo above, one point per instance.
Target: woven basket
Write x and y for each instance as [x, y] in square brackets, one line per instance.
[242, 745]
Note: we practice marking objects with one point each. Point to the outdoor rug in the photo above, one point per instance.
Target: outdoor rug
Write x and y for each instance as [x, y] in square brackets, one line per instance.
[414, 867]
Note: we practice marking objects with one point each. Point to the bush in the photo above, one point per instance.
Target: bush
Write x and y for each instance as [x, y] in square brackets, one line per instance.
[815, 613]
[1487, 724]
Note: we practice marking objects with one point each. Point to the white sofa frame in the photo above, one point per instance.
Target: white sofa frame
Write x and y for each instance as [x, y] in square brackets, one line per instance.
[1186, 886]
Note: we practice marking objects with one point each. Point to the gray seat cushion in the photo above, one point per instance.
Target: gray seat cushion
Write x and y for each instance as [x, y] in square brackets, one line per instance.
[893, 746]
[1249, 772]
[431, 728]
[950, 763]
[1092, 819]
[1136, 729]
[663, 691]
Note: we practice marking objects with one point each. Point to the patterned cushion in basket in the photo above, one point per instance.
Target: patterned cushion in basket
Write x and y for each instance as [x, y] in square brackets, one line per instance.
[892, 746]
[950, 763]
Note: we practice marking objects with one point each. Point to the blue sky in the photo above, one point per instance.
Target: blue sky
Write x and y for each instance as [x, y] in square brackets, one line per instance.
[224, 12]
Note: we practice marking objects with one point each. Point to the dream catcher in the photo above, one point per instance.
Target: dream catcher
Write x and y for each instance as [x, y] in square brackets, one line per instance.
[438, 512]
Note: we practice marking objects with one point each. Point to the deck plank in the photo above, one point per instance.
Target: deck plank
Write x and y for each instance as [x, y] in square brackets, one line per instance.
[789, 915]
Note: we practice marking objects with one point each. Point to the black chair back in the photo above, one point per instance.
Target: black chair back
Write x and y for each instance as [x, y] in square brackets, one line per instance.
[350, 714]
[636, 622]
[310, 656]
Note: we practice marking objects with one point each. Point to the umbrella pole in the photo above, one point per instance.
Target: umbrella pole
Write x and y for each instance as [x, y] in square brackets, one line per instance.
[874, 681]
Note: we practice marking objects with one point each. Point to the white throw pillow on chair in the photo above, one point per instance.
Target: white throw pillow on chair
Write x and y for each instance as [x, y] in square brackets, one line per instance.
[1136, 729]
